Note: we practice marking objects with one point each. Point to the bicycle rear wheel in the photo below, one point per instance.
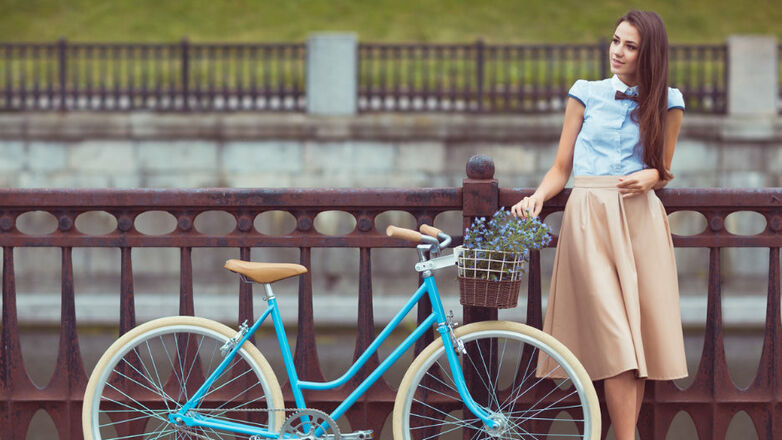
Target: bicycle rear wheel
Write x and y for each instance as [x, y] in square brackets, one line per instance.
[152, 370]
[500, 370]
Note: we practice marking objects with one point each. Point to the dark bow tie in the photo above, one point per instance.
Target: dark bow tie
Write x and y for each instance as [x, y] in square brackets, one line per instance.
[621, 95]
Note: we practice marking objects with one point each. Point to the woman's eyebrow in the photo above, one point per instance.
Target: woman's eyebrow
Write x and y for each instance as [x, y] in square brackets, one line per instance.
[627, 41]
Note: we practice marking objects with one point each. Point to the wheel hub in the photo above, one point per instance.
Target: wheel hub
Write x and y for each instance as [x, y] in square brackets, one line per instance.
[502, 425]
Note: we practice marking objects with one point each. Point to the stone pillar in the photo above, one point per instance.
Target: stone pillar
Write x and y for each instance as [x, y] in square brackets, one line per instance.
[332, 74]
[752, 75]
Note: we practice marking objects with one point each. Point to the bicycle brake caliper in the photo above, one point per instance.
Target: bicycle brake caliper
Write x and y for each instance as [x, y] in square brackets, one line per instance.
[231, 343]
[458, 345]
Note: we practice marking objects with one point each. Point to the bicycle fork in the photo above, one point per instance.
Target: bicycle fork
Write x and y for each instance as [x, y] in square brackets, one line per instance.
[451, 344]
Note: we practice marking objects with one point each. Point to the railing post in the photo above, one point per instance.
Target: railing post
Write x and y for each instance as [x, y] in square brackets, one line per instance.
[480, 198]
[62, 47]
[479, 61]
[185, 74]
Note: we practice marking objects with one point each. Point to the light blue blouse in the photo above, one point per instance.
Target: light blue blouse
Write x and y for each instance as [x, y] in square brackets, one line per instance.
[608, 143]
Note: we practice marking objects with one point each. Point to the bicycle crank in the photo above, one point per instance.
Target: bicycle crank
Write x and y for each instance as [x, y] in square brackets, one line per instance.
[310, 424]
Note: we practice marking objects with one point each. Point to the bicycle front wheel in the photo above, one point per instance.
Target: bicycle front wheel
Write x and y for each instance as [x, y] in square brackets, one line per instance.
[152, 370]
[500, 369]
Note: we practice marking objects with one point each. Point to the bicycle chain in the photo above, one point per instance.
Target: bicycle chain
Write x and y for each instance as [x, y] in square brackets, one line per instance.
[195, 434]
[251, 410]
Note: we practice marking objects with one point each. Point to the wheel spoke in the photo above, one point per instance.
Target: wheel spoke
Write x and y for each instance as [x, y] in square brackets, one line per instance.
[160, 427]
[512, 401]
[248, 371]
[462, 422]
[558, 408]
[514, 396]
[195, 359]
[489, 389]
[543, 409]
[144, 409]
[158, 391]
[124, 421]
[154, 367]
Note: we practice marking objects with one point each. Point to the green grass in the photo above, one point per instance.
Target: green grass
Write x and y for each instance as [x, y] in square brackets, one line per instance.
[495, 21]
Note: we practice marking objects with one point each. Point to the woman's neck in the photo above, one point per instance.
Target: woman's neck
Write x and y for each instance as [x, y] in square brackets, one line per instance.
[631, 81]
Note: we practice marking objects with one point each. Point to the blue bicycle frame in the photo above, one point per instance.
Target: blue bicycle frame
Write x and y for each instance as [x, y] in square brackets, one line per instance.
[436, 318]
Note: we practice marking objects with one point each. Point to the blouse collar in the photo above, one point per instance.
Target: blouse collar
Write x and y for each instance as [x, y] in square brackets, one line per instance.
[622, 87]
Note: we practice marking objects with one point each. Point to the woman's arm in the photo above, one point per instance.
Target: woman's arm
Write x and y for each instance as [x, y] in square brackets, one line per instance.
[673, 123]
[556, 177]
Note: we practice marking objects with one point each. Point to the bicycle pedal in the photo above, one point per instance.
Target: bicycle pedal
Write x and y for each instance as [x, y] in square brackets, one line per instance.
[359, 435]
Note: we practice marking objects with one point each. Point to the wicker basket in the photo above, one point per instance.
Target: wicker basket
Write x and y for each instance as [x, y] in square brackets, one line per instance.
[489, 278]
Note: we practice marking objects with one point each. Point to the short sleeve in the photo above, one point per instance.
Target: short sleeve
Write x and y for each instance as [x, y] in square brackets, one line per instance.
[580, 91]
[675, 99]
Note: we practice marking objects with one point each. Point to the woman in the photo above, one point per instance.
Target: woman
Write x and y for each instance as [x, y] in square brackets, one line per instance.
[614, 297]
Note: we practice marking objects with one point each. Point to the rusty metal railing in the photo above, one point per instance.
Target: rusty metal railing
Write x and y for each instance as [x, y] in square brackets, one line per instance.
[711, 400]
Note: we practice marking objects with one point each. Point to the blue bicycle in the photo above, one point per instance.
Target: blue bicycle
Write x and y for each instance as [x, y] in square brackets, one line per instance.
[189, 377]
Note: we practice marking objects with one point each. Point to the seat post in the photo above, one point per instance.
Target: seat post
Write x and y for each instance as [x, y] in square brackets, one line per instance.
[269, 293]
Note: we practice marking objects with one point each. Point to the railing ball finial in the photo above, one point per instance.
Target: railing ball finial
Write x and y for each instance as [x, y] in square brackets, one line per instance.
[304, 223]
[245, 223]
[716, 223]
[7, 223]
[124, 223]
[185, 223]
[481, 167]
[364, 224]
[65, 223]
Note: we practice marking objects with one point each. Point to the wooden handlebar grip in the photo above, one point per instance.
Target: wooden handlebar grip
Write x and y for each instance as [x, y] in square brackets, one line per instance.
[407, 234]
[430, 230]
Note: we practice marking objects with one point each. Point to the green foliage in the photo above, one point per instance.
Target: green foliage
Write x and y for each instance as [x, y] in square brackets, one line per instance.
[494, 21]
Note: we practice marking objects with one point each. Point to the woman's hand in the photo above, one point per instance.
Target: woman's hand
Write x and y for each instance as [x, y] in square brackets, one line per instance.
[638, 183]
[528, 206]
[661, 184]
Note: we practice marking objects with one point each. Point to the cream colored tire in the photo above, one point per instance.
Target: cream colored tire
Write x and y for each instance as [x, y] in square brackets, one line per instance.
[432, 363]
[161, 332]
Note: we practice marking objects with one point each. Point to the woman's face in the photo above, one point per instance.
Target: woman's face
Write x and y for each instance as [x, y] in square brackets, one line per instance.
[623, 53]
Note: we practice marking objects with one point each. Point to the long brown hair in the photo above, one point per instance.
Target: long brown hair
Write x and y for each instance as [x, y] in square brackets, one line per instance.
[652, 85]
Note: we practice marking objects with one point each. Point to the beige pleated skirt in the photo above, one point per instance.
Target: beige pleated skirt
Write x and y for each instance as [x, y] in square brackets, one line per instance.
[614, 298]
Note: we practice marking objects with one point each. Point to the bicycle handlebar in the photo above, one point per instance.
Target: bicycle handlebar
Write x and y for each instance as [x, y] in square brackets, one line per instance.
[404, 233]
[430, 231]
[431, 235]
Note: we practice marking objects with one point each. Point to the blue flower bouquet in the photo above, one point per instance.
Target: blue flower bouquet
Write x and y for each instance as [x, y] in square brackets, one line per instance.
[494, 257]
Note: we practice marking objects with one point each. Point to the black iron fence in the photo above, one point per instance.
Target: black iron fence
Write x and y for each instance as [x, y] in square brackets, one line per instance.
[711, 400]
[159, 77]
[186, 76]
[515, 79]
